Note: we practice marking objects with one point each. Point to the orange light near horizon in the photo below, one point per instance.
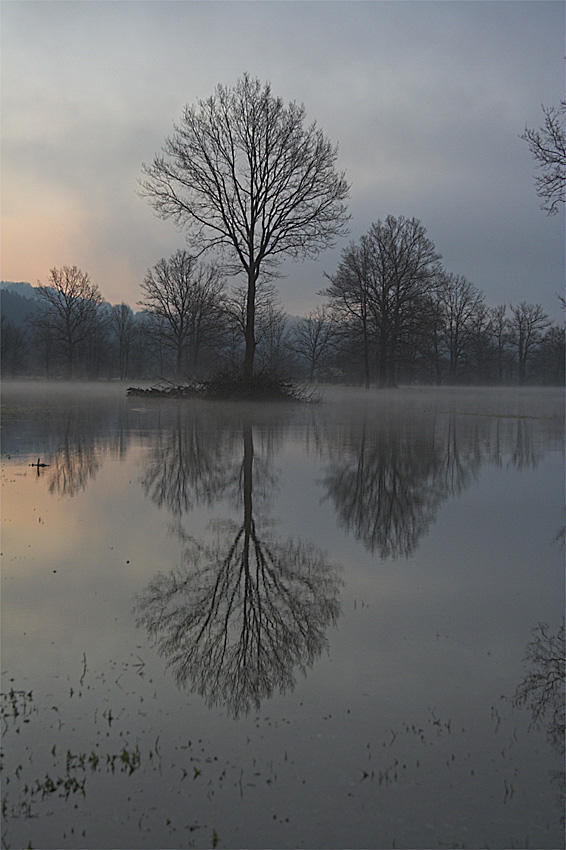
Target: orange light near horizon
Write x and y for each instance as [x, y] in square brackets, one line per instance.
[38, 236]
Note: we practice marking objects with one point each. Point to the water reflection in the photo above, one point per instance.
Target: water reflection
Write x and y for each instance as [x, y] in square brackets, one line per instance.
[248, 610]
[73, 466]
[542, 690]
[191, 463]
[73, 428]
[387, 477]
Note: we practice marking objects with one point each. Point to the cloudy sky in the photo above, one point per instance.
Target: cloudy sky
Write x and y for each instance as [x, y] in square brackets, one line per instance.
[426, 101]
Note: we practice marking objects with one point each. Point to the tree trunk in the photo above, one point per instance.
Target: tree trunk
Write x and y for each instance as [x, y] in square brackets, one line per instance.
[366, 355]
[382, 363]
[250, 329]
[179, 361]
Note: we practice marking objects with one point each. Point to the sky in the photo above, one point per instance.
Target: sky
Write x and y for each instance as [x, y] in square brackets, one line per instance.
[426, 101]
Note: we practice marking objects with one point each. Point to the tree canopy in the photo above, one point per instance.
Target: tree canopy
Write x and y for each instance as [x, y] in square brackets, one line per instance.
[243, 174]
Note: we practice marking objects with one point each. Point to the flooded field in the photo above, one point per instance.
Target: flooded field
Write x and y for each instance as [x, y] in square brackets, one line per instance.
[281, 626]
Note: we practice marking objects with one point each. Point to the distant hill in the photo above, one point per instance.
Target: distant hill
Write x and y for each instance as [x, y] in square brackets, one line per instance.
[16, 308]
[19, 287]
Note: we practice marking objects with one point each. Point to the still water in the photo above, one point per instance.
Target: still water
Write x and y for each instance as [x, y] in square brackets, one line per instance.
[281, 626]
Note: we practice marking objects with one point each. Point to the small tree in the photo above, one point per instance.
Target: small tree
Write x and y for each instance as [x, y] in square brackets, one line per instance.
[122, 325]
[243, 173]
[187, 298]
[526, 327]
[314, 337]
[499, 331]
[348, 294]
[403, 269]
[460, 301]
[70, 316]
[550, 357]
[548, 147]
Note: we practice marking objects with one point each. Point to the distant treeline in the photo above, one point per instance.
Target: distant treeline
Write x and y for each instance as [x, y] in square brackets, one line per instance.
[444, 335]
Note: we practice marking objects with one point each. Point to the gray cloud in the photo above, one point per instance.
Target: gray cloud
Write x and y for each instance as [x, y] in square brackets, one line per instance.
[426, 100]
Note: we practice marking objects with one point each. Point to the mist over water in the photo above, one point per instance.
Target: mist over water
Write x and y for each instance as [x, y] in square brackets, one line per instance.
[280, 625]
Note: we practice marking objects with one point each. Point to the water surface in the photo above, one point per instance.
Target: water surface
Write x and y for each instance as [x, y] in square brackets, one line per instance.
[279, 626]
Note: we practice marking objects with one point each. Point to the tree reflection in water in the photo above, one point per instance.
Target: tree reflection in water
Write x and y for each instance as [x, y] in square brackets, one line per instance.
[387, 477]
[191, 463]
[244, 612]
[543, 690]
[73, 466]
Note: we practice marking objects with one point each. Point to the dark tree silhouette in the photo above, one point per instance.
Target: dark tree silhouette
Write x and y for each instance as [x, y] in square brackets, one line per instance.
[525, 330]
[188, 298]
[123, 329]
[271, 333]
[71, 310]
[314, 339]
[380, 285]
[243, 174]
[349, 296]
[460, 303]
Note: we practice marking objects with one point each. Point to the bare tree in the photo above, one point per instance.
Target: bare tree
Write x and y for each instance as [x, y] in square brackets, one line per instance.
[186, 297]
[548, 148]
[499, 330]
[122, 325]
[550, 357]
[480, 342]
[348, 294]
[314, 338]
[404, 268]
[460, 301]
[271, 332]
[526, 327]
[243, 173]
[71, 310]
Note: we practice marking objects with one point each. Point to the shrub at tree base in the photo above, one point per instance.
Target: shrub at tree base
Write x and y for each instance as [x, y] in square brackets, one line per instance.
[232, 387]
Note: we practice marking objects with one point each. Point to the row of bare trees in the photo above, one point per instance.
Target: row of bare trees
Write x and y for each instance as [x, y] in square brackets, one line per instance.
[189, 326]
[391, 315]
[400, 316]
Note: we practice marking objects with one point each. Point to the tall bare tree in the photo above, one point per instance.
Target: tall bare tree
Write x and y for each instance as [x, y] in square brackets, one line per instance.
[243, 174]
[548, 148]
[186, 296]
[71, 315]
